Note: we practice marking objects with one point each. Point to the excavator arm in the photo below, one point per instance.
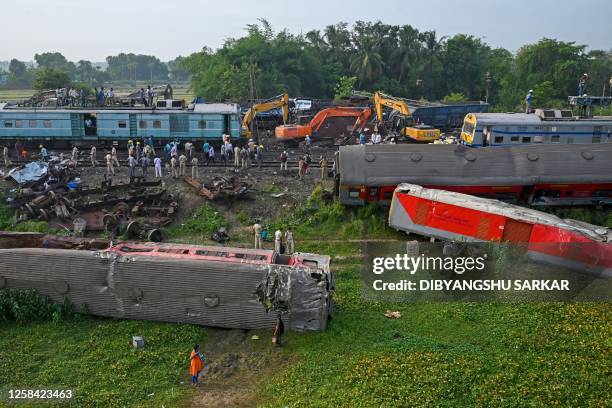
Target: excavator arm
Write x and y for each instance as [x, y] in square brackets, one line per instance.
[280, 101]
[381, 101]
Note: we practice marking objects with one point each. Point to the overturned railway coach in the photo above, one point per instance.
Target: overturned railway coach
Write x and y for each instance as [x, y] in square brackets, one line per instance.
[460, 217]
[169, 120]
[545, 126]
[536, 174]
[205, 285]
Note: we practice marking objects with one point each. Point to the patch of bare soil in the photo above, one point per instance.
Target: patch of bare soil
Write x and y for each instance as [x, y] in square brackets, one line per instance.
[235, 366]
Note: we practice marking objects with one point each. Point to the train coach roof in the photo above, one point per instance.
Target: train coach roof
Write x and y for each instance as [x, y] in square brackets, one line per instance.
[440, 164]
[528, 215]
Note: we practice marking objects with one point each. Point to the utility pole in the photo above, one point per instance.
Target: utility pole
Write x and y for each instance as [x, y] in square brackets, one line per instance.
[252, 97]
[488, 82]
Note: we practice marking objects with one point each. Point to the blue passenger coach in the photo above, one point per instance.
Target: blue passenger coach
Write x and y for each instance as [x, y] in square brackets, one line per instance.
[103, 126]
[543, 126]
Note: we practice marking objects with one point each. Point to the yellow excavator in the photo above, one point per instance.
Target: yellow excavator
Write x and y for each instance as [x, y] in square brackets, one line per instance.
[280, 101]
[401, 121]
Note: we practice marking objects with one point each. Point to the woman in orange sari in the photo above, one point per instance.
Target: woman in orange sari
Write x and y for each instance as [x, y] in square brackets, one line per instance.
[195, 364]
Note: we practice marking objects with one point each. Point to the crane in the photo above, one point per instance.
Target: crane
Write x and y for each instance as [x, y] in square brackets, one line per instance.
[294, 132]
[279, 101]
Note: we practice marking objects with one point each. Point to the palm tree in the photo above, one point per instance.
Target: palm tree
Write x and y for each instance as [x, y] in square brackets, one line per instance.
[366, 62]
[315, 38]
[408, 49]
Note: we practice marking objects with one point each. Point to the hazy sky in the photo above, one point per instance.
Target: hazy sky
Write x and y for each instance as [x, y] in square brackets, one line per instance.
[82, 29]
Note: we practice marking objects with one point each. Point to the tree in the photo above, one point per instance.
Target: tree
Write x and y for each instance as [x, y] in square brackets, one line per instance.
[54, 60]
[366, 62]
[17, 68]
[50, 78]
[344, 87]
[407, 52]
[124, 67]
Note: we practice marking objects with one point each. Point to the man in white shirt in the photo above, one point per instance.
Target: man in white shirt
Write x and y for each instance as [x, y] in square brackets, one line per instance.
[158, 167]
[278, 236]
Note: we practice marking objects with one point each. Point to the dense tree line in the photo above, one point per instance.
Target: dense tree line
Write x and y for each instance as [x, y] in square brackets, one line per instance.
[370, 56]
[399, 60]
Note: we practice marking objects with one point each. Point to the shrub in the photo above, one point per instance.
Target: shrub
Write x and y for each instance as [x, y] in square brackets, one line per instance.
[205, 220]
[27, 305]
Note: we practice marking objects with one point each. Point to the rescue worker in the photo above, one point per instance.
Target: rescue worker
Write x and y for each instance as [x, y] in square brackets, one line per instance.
[137, 149]
[582, 84]
[301, 168]
[257, 230]
[130, 149]
[279, 330]
[188, 149]
[223, 155]
[167, 149]
[229, 148]
[92, 156]
[244, 157]
[24, 153]
[183, 164]
[259, 155]
[158, 167]
[289, 241]
[237, 156]
[109, 164]
[5, 154]
[144, 166]
[206, 148]
[194, 167]
[323, 164]
[528, 100]
[75, 154]
[307, 142]
[284, 157]
[131, 167]
[192, 151]
[211, 155]
[362, 138]
[130, 144]
[114, 156]
[43, 152]
[278, 236]
[174, 167]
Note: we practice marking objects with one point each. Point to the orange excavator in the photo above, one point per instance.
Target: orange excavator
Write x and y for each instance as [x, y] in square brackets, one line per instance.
[288, 133]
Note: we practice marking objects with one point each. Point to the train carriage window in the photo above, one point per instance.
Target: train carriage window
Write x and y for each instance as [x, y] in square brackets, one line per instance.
[157, 124]
[499, 139]
[596, 139]
[122, 124]
[8, 123]
[202, 124]
[19, 123]
[33, 123]
[47, 123]
[353, 192]
[142, 124]
[555, 139]
[538, 139]
[526, 139]
[515, 139]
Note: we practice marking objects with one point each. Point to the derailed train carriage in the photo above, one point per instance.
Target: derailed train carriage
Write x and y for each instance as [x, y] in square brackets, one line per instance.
[536, 175]
[452, 216]
[211, 286]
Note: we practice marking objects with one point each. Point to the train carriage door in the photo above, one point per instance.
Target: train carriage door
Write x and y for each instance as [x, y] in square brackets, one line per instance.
[226, 124]
[77, 125]
[90, 124]
[133, 126]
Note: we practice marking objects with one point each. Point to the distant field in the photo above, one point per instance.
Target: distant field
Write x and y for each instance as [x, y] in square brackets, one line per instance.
[11, 95]
[181, 91]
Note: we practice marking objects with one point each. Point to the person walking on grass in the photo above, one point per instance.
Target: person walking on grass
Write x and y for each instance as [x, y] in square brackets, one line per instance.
[195, 364]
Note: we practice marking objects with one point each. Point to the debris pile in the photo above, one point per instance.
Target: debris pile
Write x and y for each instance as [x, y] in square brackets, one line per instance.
[113, 206]
[220, 187]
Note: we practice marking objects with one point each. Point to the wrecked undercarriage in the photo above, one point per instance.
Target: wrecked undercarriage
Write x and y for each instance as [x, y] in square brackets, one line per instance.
[211, 286]
[219, 187]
